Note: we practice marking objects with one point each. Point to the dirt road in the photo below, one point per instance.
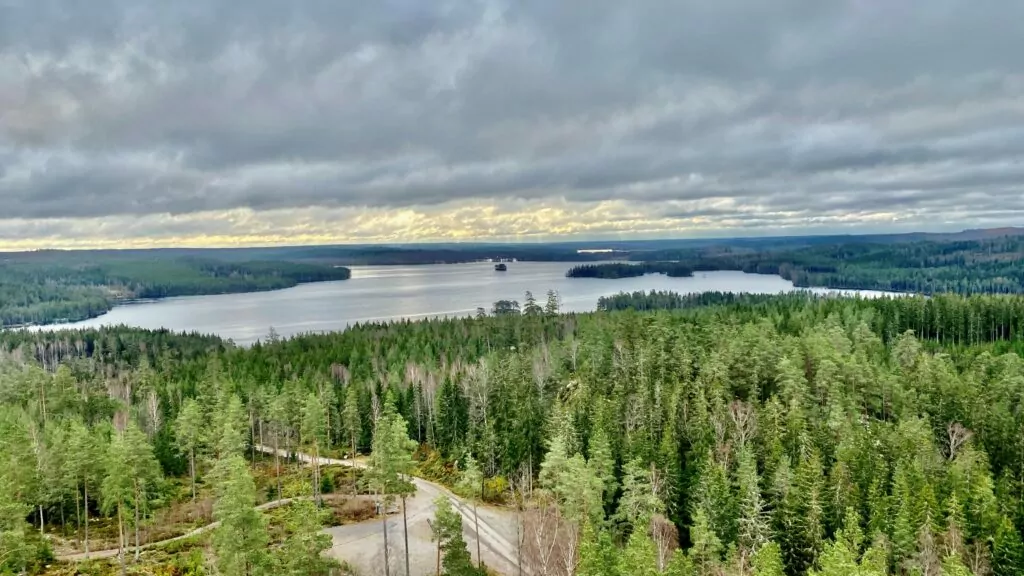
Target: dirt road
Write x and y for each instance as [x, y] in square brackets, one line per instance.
[362, 544]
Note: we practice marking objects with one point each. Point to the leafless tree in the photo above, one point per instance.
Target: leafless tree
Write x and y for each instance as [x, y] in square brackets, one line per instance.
[958, 436]
[744, 422]
[666, 539]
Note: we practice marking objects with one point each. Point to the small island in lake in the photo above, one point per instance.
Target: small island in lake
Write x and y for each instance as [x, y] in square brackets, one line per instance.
[501, 267]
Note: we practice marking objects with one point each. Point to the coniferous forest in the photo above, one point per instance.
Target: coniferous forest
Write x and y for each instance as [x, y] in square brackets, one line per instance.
[704, 435]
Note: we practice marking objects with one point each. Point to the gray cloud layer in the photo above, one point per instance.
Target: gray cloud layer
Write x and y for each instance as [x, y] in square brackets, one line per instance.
[696, 114]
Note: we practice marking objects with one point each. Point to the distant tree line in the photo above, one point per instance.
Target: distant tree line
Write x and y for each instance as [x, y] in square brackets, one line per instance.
[990, 266]
[66, 288]
[613, 270]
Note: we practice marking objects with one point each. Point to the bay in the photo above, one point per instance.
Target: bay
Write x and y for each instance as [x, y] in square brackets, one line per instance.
[384, 293]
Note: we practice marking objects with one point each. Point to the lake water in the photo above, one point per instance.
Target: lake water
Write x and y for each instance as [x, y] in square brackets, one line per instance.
[378, 293]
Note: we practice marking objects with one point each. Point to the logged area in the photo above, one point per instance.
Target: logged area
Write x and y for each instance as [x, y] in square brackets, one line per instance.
[719, 435]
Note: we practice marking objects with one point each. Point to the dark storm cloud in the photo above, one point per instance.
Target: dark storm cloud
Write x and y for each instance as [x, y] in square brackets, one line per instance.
[756, 111]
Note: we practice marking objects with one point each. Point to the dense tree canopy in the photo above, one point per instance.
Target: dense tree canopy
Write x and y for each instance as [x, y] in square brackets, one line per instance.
[704, 435]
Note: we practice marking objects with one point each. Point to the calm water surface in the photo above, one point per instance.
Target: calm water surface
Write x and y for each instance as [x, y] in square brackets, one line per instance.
[377, 293]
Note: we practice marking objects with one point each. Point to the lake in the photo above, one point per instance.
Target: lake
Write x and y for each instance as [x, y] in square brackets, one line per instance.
[379, 293]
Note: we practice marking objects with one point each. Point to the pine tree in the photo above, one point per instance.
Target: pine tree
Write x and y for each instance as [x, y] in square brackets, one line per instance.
[15, 551]
[314, 430]
[240, 541]
[640, 555]
[85, 463]
[390, 463]
[231, 429]
[470, 485]
[447, 532]
[531, 308]
[300, 553]
[598, 554]
[189, 431]
[131, 477]
[680, 565]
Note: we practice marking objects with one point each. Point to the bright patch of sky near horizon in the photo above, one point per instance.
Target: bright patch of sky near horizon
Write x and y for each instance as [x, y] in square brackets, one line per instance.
[142, 123]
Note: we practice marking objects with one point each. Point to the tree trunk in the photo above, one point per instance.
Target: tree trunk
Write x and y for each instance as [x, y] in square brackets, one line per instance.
[277, 461]
[316, 474]
[352, 468]
[86, 521]
[476, 522]
[384, 519]
[120, 537]
[41, 520]
[192, 471]
[78, 515]
[137, 498]
[405, 528]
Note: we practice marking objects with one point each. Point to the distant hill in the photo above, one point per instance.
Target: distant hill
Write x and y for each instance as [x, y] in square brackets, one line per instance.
[450, 252]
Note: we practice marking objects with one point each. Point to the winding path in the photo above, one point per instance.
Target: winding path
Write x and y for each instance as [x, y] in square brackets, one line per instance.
[361, 544]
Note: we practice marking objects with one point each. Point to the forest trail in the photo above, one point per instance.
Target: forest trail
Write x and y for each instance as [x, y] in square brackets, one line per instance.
[361, 544]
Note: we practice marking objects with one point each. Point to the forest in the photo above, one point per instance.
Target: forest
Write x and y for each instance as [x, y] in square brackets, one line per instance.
[54, 287]
[983, 266]
[614, 270]
[688, 435]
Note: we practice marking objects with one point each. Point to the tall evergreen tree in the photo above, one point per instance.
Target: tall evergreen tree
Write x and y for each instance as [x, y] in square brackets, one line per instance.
[314, 432]
[390, 464]
[190, 433]
[240, 541]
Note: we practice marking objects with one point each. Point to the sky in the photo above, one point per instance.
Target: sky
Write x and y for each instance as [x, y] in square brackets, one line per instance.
[219, 123]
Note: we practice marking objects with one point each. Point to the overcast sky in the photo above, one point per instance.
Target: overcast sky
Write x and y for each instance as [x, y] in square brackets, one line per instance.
[219, 122]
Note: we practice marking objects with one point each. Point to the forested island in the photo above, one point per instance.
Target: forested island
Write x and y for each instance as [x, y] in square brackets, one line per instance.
[614, 270]
[51, 287]
[707, 436]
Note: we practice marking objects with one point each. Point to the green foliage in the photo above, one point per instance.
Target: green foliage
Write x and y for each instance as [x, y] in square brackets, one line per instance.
[47, 287]
[793, 427]
[391, 460]
[447, 532]
[240, 542]
[300, 553]
[768, 561]
[598, 554]
[623, 270]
